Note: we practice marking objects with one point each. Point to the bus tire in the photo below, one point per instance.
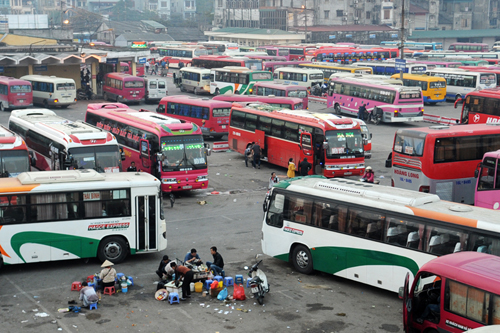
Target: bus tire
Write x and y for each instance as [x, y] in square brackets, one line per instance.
[105, 96]
[113, 249]
[45, 104]
[302, 260]
[337, 109]
[182, 88]
[2, 108]
[195, 91]
[64, 106]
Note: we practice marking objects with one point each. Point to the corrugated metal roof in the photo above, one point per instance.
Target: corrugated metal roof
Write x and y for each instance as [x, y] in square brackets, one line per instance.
[455, 33]
[346, 28]
[154, 24]
[253, 31]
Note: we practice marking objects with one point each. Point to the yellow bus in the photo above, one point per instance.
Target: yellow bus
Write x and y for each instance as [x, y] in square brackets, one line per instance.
[332, 68]
[433, 87]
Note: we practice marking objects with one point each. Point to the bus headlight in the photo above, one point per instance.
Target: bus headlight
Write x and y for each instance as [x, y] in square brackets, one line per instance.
[201, 178]
[169, 180]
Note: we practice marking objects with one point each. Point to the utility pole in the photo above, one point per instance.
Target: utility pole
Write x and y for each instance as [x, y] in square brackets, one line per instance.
[305, 18]
[402, 48]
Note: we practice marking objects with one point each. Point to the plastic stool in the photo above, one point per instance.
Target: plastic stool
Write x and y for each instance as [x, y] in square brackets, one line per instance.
[173, 298]
[93, 306]
[76, 286]
[218, 278]
[109, 291]
[228, 281]
[131, 280]
[90, 278]
[248, 283]
[208, 283]
[238, 279]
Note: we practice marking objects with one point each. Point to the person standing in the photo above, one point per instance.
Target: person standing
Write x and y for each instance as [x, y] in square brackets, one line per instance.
[88, 295]
[184, 274]
[161, 268]
[361, 112]
[256, 154]
[248, 154]
[107, 275]
[146, 65]
[273, 180]
[291, 168]
[132, 167]
[218, 265]
[304, 167]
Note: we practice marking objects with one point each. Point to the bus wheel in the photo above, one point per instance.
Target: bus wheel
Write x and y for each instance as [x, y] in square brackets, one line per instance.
[302, 260]
[217, 92]
[182, 88]
[46, 104]
[2, 108]
[113, 249]
[105, 96]
[337, 108]
[195, 91]
[457, 97]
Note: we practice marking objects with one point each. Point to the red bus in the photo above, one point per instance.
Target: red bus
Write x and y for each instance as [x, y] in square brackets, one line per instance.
[453, 293]
[298, 52]
[170, 149]
[333, 145]
[283, 90]
[14, 156]
[480, 107]
[280, 102]
[220, 61]
[126, 68]
[442, 159]
[123, 88]
[210, 115]
[174, 55]
[15, 93]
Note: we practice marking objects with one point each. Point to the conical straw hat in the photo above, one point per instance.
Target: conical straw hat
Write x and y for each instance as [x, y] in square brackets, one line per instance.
[107, 263]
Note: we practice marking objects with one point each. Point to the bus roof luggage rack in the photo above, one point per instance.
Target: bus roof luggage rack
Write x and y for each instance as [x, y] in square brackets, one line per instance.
[363, 190]
[49, 177]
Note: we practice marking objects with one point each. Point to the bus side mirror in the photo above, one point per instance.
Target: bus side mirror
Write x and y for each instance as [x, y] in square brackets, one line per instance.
[122, 154]
[32, 159]
[401, 292]
[365, 142]
[325, 145]
[371, 135]
[476, 173]
[68, 162]
[207, 149]
[456, 102]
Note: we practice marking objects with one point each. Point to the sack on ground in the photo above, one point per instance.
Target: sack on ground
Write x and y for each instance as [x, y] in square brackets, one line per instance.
[222, 294]
[239, 292]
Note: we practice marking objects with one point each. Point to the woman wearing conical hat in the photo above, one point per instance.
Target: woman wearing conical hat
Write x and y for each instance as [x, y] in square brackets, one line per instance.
[107, 275]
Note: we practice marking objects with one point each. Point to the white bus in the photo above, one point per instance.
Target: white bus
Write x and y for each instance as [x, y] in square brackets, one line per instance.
[299, 76]
[219, 47]
[460, 82]
[60, 215]
[57, 143]
[194, 79]
[236, 80]
[52, 91]
[371, 234]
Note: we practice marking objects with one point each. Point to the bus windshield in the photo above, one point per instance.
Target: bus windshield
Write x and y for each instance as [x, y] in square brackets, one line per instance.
[346, 142]
[315, 76]
[101, 159]
[409, 145]
[13, 162]
[253, 64]
[65, 86]
[488, 79]
[20, 88]
[183, 153]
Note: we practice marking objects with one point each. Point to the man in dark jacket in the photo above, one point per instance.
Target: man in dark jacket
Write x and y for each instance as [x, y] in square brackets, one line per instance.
[161, 268]
[304, 167]
[218, 264]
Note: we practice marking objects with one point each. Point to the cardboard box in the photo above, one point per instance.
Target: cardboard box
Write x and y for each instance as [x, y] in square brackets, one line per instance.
[215, 292]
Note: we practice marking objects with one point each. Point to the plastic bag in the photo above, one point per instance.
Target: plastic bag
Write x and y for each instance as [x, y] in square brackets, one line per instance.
[214, 285]
[222, 294]
[239, 292]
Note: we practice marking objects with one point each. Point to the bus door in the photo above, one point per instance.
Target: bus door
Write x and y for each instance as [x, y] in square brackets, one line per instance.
[260, 138]
[55, 158]
[404, 294]
[306, 149]
[488, 184]
[146, 155]
[146, 223]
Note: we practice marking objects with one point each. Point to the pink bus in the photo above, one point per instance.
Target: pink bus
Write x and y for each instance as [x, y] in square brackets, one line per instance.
[389, 103]
[211, 116]
[126, 68]
[15, 93]
[437, 64]
[282, 90]
[275, 51]
[272, 65]
[267, 58]
[123, 88]
[469, 47]
[281, 102]
[487, 192]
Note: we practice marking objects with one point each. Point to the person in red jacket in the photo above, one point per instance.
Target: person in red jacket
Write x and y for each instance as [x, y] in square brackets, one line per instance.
[186, 275]
[369, 176]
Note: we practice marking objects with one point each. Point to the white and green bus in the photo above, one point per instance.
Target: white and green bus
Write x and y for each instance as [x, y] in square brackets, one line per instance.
[371, 234]
[59, 215]
[236, 80]
[194, 79]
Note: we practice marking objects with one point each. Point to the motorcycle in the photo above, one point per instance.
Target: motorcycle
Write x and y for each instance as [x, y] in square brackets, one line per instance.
[258, 282]
[375, 116]
[85, 94]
